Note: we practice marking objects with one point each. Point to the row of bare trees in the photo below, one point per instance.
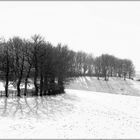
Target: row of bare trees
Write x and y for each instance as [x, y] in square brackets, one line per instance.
[49, 67]
[108, 65]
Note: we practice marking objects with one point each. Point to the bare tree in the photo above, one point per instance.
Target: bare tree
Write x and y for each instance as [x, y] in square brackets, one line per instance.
[98, 66]
[18, 55]
[28, 63]
[5, 64]
[37, 40]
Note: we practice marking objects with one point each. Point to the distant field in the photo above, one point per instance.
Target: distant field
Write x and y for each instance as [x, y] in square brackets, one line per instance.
[114, 85]
[137, 77]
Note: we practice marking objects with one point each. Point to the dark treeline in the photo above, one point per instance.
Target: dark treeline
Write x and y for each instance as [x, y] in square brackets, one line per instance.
[49, 67]
[110, 66]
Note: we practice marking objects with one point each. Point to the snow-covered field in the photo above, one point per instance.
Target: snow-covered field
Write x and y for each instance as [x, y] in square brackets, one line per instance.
[76, 114]
[114, 85]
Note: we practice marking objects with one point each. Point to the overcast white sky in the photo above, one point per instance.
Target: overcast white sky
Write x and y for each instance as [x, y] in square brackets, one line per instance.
[93, 27]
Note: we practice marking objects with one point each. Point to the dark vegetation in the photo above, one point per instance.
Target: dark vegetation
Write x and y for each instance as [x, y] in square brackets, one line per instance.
[51, 67]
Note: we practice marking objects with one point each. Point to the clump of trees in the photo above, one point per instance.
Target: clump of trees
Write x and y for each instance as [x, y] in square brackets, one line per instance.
[46, 65]
[50, 67]
[110, 66]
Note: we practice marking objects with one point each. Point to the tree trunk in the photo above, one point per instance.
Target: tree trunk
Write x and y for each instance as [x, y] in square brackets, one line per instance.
[36, 87]
[61, 85]
[26, 81]
[111, 72]
[124, 76]
[18, 88]
[7, 75]
[7, 82]
[105, 75]
[53, 86]
[129, 75]
[6, 87]
[45, 86]
[35, 82]
[98, 75]
[25, 88]
[105, 78]
[41, 84]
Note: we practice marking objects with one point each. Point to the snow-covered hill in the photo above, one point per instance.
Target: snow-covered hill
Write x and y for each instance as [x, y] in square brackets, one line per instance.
[137, 77]
[75, 114]
[114, 85]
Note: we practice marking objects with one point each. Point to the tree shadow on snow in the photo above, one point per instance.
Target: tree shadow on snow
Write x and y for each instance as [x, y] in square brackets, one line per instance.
[37, 107]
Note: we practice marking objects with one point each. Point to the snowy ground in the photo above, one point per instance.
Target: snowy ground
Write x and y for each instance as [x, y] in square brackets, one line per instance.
[114, 85]
[76, 114]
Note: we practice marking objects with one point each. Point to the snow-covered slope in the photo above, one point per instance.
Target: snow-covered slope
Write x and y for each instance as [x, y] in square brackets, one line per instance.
[137, 75]
[76, 114]
[114, 85]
